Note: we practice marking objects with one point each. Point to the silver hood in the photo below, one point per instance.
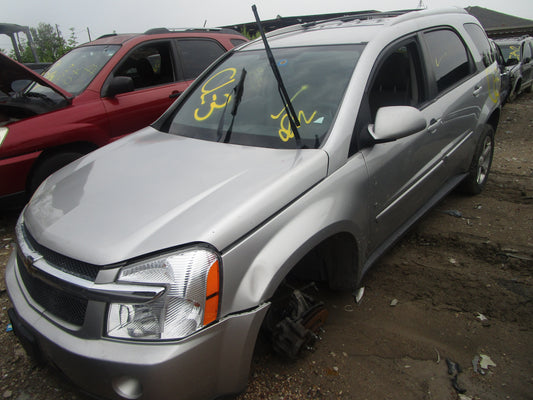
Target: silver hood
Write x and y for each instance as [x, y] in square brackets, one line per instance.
[151, 191]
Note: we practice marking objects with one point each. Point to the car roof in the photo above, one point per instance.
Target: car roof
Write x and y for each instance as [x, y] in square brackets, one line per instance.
[360, 28]
[160, 33]
[513, 40]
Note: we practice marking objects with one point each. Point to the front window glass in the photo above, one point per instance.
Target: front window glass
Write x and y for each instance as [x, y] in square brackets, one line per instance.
[239, 101]
[75, 70]
[148, 65]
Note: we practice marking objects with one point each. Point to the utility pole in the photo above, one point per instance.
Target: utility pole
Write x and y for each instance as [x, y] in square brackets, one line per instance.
[89, 33]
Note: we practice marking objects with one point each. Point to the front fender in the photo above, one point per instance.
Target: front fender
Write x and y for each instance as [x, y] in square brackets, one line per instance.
[255, 266]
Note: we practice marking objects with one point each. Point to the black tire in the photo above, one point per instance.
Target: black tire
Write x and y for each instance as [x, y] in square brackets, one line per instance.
[48, 166]
[477, 178]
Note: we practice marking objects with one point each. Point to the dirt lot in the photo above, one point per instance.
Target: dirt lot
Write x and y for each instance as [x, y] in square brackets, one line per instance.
[471, 257]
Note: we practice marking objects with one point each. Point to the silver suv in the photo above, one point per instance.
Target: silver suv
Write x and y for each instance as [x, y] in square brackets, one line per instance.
[146, 269]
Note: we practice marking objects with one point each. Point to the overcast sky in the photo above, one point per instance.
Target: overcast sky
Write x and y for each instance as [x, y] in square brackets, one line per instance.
[124, 16]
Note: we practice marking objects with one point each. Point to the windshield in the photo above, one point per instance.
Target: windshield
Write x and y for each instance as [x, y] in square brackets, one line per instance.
[239, 101]
[510, 52]
[75, 70]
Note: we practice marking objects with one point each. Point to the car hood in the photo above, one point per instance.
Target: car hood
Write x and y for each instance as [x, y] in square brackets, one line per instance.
[14, 71]
[152, 191]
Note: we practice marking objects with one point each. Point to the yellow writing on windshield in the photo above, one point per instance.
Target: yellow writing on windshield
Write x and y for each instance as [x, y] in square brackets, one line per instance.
[211, 88]
[515, 52]
[285, 131]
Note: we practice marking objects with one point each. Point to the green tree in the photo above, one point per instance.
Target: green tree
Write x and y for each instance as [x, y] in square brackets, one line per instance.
[49, 43]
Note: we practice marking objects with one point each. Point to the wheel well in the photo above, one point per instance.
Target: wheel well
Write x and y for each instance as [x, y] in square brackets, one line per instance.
[494, 119]
[334, 260]
[77, 147]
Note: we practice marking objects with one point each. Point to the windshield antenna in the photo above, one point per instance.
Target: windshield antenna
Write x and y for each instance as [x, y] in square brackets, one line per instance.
[289, 109]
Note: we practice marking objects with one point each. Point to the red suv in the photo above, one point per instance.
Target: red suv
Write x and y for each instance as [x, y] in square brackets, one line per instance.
[93, 95]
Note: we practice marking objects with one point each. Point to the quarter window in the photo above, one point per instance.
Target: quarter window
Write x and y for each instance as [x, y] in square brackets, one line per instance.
[448, 58]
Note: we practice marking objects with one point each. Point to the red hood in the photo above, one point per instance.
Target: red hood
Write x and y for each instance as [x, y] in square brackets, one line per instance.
[12, 70]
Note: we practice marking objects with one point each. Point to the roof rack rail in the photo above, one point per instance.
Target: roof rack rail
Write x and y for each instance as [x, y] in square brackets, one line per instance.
[106, 36]
[366, 16]
[156, 31]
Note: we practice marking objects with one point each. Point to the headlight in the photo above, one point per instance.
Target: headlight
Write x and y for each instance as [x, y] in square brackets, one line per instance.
[190, 301]
[3, 134]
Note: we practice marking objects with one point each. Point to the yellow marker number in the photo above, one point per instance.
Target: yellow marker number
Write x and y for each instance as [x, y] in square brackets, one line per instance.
[210, 89]
[285, 131]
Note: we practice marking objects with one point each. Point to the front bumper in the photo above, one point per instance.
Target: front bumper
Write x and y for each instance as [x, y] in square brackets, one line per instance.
[212, 362]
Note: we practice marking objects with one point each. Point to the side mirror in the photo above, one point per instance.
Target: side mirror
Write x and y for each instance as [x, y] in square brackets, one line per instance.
[119, 85]
[396, 122]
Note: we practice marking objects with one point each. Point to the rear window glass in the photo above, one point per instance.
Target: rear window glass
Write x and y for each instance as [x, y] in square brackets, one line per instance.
[197, 54]
[448, 57]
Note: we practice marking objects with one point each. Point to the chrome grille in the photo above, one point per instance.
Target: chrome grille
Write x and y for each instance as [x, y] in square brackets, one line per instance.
[65, 306]
[66, 264]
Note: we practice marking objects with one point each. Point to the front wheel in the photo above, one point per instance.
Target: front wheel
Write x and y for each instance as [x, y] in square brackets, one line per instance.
[477, 178]
[48, 166]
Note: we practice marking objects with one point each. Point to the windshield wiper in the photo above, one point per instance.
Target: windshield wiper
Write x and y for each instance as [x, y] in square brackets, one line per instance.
[238, 89]
[238, 97]
[287, 104]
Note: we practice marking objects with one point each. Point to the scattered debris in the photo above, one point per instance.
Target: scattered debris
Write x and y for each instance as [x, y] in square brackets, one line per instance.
[9, 328]
[485, 361]
[481, 317]
[359, 294]
[438, 355]
[348, 308]
[394, 303]
[452, 261]
[475, 363]
[463, 397]
[456, 386]
[454, 213]
[454, 369]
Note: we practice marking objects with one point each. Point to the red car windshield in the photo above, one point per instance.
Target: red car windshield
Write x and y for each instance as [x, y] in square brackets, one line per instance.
[75, 70]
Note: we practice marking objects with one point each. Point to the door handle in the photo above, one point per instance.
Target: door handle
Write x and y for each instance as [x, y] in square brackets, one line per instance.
[477, 90]
[174, 95]
[433, 124]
